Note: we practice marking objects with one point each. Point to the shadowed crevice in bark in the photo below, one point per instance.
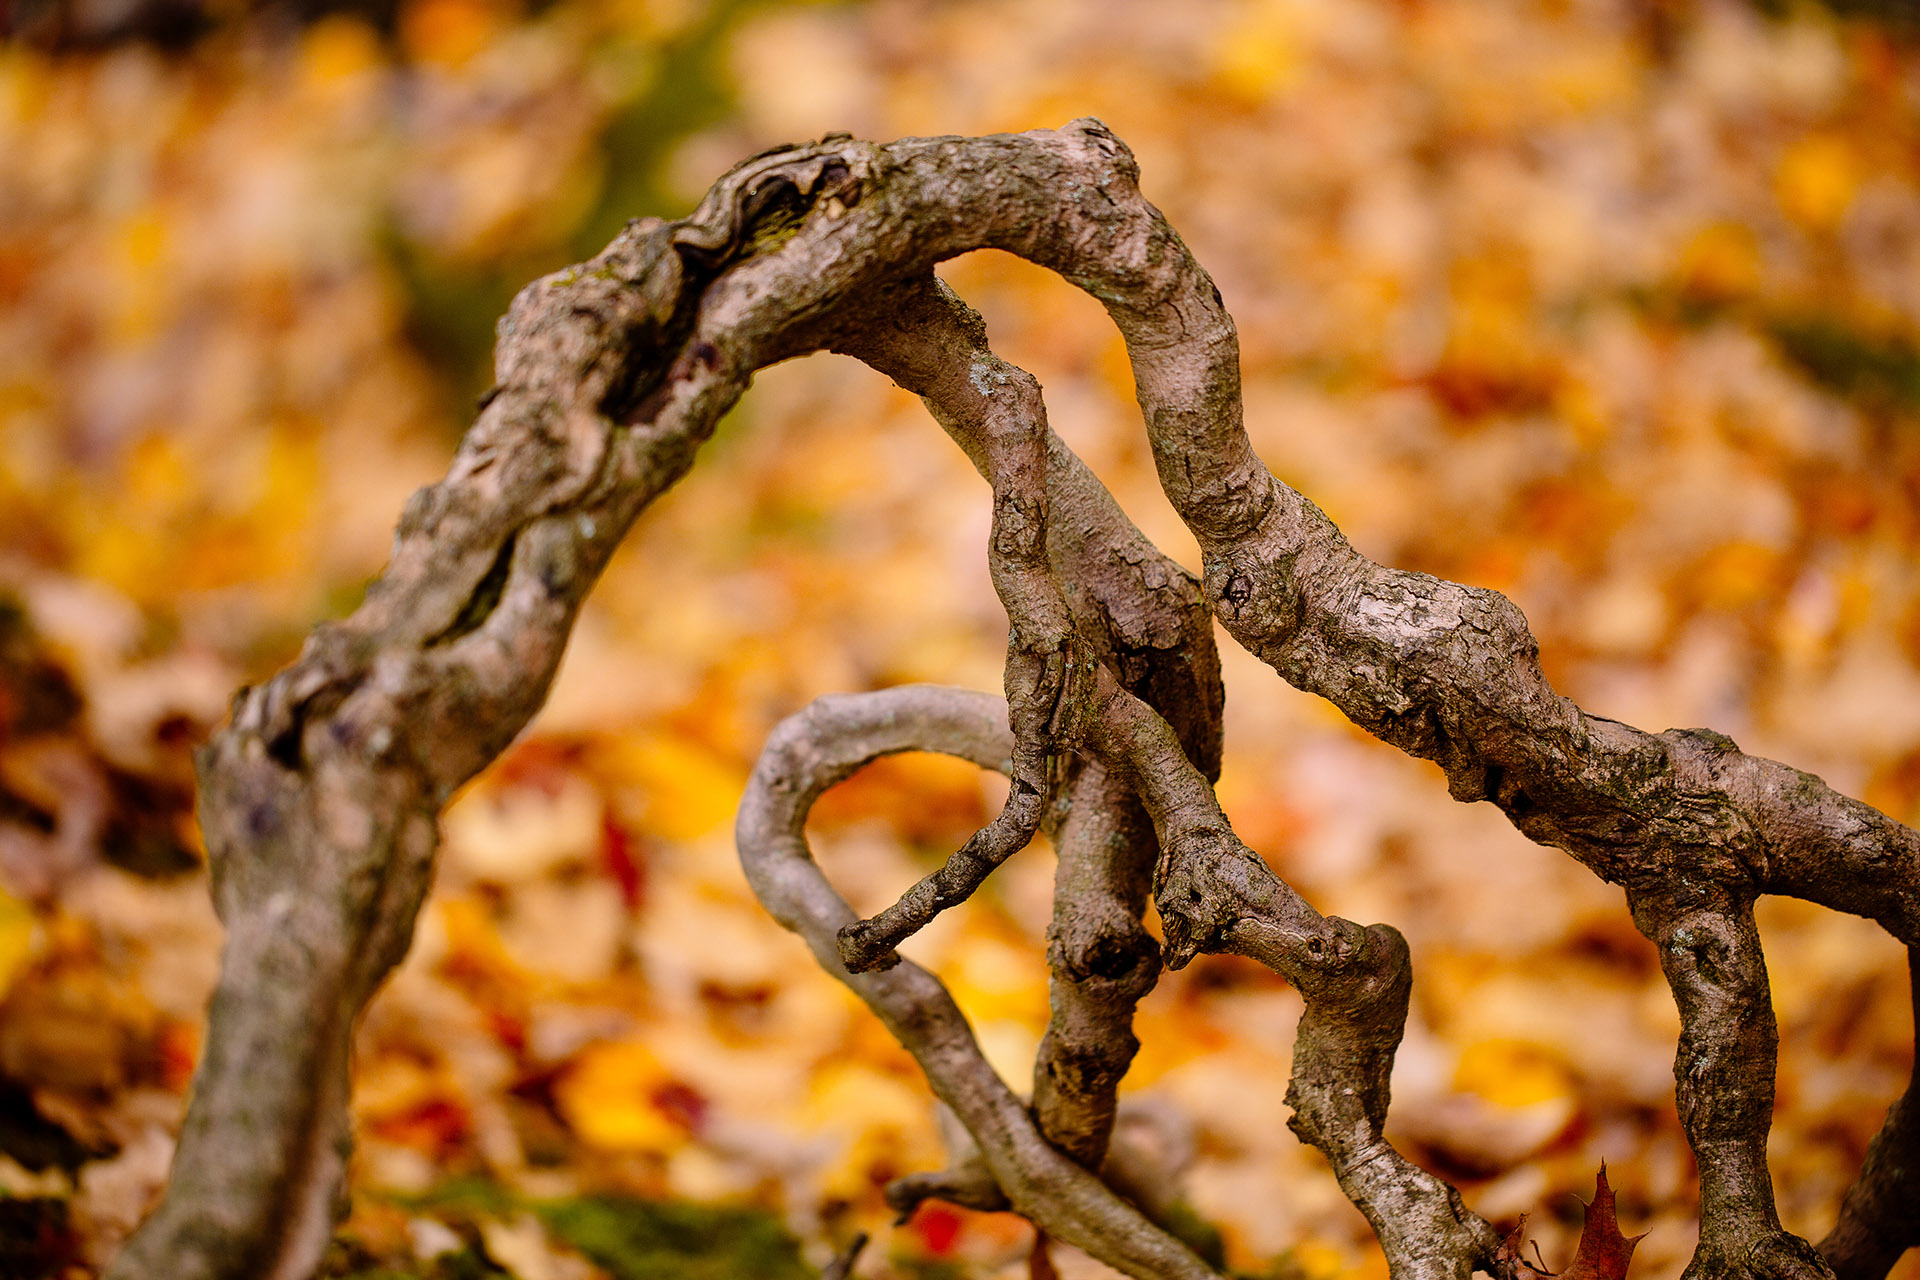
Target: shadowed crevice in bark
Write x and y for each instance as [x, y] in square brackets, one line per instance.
[318, 799]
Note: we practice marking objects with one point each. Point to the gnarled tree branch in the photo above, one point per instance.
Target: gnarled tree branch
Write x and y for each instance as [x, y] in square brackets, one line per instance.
[806, 755]
[318, 799]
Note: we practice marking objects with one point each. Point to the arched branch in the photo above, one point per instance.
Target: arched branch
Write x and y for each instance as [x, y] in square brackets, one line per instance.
[319, 797]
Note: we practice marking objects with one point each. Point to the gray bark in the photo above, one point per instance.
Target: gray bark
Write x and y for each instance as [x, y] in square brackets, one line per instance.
[319, 798]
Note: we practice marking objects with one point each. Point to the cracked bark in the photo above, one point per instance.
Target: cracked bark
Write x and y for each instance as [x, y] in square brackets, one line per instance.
[318, 799]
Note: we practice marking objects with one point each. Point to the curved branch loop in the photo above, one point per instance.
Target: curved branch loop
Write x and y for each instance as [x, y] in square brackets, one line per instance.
[808, 753]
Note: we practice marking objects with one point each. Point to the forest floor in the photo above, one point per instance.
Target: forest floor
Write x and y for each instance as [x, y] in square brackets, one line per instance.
[1612, 307]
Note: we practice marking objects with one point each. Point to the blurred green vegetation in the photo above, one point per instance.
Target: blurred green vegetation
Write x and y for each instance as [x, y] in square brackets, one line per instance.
[1868, 368]
[627, 1237]
[452, 306]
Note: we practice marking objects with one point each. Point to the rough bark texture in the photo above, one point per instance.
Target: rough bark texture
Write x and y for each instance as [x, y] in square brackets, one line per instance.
[319, 799]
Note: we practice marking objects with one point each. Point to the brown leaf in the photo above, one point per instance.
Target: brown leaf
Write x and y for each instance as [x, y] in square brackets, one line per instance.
[1508, 1260]
[1603, 1253]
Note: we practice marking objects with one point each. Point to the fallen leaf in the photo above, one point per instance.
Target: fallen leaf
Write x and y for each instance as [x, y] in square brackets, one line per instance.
[1603, 1253]
[18, 933]
[618, 1096]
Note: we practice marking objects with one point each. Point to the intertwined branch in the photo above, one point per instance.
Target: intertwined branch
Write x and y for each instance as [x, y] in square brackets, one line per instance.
[319, 799]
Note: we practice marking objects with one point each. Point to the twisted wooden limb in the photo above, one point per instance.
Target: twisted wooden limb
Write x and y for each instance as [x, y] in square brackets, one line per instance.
[930, 342]
[1215, 894]
[1103, 962]
[967, 1183]
[1723, 1073]
[1137, 613]
[318, 799]
[808, 753]
[318, 796]
[1451, 673]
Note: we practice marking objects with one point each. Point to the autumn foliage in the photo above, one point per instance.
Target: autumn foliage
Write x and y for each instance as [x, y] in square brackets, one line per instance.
[1613, 309]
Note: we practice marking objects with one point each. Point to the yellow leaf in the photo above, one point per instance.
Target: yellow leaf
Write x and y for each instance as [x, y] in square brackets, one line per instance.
[689, 790]
[1739, 574]
[847, 1094]
[1318, 1260]
[1585, 410]
[1589, 77]
[140, 242]
[19, 938]
[339, 47]
[143, 239]
[1256, 63]
[472, 941]
[391, 1085]
[653, 20]
[887, 1123]
[1817, 179]
[994, 980]
[510, 833]
[1721, 261]
[159, 477]
[26, 83]
[607, 1097]
[1511, 1073]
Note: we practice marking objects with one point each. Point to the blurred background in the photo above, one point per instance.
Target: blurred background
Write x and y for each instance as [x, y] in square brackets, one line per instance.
[1612, 305]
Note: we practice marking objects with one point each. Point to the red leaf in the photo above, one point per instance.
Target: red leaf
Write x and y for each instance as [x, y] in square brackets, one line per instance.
[618, 857]
[1603, 1253]
[937, 1226]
